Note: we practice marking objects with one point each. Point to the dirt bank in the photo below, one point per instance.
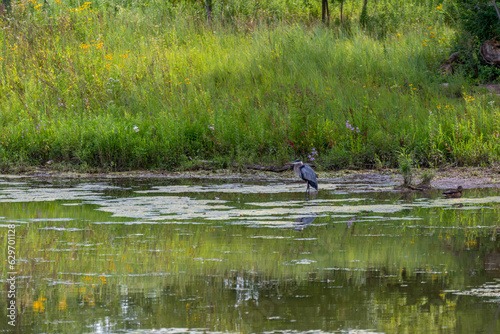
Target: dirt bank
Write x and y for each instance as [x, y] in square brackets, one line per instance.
[444, 178]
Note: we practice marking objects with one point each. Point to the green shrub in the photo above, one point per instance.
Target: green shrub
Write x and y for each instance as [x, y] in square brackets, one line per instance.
[478, 21]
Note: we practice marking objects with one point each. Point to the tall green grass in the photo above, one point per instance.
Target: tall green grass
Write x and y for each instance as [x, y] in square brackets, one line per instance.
[123, 85]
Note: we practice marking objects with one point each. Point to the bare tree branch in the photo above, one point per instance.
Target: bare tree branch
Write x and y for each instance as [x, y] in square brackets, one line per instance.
[494, 3]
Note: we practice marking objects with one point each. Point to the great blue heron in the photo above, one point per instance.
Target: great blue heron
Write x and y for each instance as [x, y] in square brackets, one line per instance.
[453, 193]
[306, 173]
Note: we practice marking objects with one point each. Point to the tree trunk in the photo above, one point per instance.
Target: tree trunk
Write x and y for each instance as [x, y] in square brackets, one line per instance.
[208, 5]
[363, 19]
[325, 11]
[4, 6]
[341, 11]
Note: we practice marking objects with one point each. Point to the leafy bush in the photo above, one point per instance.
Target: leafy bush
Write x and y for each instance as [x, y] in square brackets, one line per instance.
[478, 21]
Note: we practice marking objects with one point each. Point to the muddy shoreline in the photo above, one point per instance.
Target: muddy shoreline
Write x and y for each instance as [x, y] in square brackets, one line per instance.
[467, 177]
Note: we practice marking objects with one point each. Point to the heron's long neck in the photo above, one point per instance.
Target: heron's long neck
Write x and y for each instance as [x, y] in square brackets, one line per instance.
[296, 168]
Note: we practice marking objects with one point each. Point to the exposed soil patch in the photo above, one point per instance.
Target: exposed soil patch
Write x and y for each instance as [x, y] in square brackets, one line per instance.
[467, 178]
[444, 178]
[495, 89]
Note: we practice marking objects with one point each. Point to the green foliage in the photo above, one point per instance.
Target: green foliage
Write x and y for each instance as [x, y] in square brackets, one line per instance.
[77, 80]
[405, 163]
[427, 176]
[477, 21]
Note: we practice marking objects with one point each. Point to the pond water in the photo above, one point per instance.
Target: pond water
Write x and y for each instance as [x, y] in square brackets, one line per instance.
[175, 256]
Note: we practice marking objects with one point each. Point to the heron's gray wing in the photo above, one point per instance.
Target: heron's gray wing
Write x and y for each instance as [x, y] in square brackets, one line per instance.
[307, 174]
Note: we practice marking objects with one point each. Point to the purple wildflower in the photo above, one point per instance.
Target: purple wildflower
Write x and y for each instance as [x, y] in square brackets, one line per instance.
[313, 155]
[350, 127]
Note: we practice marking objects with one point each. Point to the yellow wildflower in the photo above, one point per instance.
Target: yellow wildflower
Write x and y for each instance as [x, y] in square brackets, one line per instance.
[38, 306]
[62, 305]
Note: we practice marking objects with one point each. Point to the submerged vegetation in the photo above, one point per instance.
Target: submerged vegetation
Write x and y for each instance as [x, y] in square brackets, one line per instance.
[120, 85]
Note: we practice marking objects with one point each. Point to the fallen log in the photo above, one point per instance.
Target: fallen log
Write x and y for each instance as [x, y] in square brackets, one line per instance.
[490, 50]
[265, 168]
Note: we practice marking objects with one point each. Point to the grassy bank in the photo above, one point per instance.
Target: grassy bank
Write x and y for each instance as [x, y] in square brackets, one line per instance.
[120, 85]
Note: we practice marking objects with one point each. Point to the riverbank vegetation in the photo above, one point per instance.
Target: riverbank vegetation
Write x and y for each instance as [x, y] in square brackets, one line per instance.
[121, 85]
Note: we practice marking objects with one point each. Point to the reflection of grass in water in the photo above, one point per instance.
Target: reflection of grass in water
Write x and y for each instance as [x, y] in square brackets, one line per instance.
[211, 303]
[100, 266]
[54, 210]
[90, 268]
[120, 250]
[166, 259]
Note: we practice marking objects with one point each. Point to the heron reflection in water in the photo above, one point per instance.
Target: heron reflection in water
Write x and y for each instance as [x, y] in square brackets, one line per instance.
[303, 222]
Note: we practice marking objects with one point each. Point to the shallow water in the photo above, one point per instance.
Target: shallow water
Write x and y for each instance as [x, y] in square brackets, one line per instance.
[135, 255]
